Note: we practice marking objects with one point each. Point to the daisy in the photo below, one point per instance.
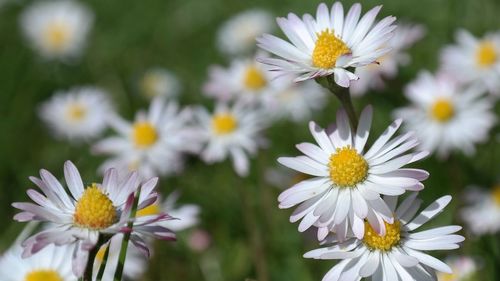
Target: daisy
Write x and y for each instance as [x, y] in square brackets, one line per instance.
[328, 44]
[347, 180]
[78, 113]
[82, 215]
[159, 82]
[474, 60]
[397, 256]
[371, 76]
[230, 132]
[482, 213]
[445, 116]
[463, 267]
[244, 79]
[153, 144]
[237, 35]
[57, 29]
[53, 263]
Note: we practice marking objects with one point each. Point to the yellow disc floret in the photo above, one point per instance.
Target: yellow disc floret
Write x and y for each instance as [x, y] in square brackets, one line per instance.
[328, 49]
[347, 167]
[374, 241]
[254, 79]
[144, 134]
[152, 209]
[486, 54]
[442, 110]
[94, 209]
[43, 275]
[56, 36]
[496, 194]
[75, 112]
[224, 123]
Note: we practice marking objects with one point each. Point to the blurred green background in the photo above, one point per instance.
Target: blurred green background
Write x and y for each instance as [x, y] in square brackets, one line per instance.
[251, 237]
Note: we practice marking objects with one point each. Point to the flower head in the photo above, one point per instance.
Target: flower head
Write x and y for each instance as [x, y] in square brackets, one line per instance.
[482, 212]
[159, 82]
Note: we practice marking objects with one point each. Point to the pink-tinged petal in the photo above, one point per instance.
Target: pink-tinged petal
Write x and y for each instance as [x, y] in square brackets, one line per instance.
[147, 188]
[73, 179]
[321, 137]
[110, 182]
[140, 244]
[52, 183]
[350, 22]
[363, 131]
[79, 261]
[384, 138]
[337, 18]
[364, 25]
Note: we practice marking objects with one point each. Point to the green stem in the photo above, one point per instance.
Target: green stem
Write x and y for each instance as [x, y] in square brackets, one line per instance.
[103, 263]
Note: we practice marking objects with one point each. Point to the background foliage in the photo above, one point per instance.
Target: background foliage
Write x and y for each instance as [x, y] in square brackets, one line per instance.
[251, 236]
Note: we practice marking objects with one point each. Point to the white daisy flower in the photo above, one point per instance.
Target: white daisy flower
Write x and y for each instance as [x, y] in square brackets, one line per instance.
[153, 144]
[82, 215]
[77, 114]
[474, 60]
[159, 82]
[328, 44]
[244, 79]
[482, 214]
[397, 256]
[57, 29]
[445, 116]
[371, 76]
[53, 263]
[237, 35]
[463, 268]
[347, 180]
[230, 132]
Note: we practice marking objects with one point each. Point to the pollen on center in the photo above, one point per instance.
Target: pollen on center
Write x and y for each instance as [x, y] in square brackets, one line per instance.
[328, 49]
[254, 79]
[43, 275]
[486, 54]
[144, 134]
[94, 209]
[347, 167]
[496, 195]
[56, 36]
[382, 243]
[224, 123]
[75, 112]
[442, 110]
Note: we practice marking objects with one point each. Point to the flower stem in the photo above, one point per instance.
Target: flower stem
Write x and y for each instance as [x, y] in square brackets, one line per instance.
[103, 263]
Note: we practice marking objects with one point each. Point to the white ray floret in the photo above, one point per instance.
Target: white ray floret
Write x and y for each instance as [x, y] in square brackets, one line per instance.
[348, 179]
[463, 268]
[400, 254]
[330, 44]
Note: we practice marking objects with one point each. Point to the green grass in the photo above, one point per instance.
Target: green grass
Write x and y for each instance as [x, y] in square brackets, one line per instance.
[130, 37]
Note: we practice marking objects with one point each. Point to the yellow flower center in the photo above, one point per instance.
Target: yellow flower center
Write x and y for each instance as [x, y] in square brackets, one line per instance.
[94, 209]
[75, 112]
[152, 209]
[347, 167]
[43, 275]
[254, 79]
[496, 194]
[447, 276]
[56, 36]
[328, 49]
[442, 110]
[224, 123]
[382, 243]
[149, 83]
[144, 134]
[486, 54]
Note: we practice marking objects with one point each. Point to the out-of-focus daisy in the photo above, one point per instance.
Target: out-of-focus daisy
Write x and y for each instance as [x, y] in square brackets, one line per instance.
[77, 114]
[347, 180]
[57, 29]
[328, 44]
[230, 132]
[153, 144]
[159, 82]
[53, 263]
[399, 254]
[199, 240]
[482, 215]
[81, 215]
[244, 79]
[463, 268]
[445, 116]
[371, 76]
[237, 35]
[474, 60]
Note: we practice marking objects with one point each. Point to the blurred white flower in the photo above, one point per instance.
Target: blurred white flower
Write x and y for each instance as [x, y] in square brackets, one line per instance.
[445, 116]
[159, 82]
[154, 144]
[474, 60]
[231, 131]
[57, 29]
[347, 181]
[53, 263]
[199, 240]
[371, 76]
[399, 254]
[77, 114]
[463, 268]
[329, 44]
[482, 212]
[80, 216]
[237, 35]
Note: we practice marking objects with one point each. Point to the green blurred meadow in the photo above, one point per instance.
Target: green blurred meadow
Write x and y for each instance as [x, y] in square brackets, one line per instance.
[251, 237]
